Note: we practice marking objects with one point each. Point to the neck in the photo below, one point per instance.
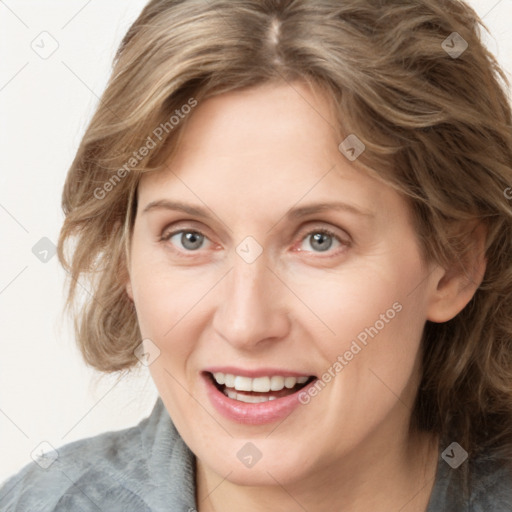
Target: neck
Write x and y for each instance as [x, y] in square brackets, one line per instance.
[401, 478]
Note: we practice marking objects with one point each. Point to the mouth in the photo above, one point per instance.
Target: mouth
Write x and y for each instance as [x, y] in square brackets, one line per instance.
[260, 389]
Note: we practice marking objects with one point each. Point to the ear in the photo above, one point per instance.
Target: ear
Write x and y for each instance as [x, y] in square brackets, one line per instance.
[123, 273]
[455, 286]
[129, 290]
[127, 279]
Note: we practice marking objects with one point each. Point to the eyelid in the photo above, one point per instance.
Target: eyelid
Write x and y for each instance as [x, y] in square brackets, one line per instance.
[182, 225]
[167, 234]
[321, 227]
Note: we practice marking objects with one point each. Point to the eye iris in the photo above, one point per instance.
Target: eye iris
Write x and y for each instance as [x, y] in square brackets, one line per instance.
[191, 240]
[321, 241]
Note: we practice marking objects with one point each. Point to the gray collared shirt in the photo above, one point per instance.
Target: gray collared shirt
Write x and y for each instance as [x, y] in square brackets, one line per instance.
[148, 468]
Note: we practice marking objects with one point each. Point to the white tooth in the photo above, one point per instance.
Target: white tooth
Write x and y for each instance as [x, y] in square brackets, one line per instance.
[289, 382]
[243, 383]
[229, 380]
[251, 399]
[231, 393]
[276, 383]
[261, 384]
[271, 398]
[219, 377]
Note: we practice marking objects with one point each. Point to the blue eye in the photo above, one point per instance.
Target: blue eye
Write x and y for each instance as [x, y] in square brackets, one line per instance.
[189, 240]
[321, 240]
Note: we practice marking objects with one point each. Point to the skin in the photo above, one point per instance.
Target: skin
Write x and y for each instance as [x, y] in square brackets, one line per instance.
[249, 157]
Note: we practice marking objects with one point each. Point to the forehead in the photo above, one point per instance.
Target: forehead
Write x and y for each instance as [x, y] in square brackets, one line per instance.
[262, 118]
[260, 149]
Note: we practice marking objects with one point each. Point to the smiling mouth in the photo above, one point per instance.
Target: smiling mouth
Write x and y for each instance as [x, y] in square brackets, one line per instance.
[258, 390]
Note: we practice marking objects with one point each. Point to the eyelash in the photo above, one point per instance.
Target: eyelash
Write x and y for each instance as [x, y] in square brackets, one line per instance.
[165, 237]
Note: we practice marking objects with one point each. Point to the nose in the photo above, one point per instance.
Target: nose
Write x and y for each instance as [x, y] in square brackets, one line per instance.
[251, 306]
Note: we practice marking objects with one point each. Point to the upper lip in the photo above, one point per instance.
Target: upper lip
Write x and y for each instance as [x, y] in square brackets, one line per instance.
[256, 372]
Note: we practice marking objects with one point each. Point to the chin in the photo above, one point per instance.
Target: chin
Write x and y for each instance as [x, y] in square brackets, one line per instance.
[262, 475]
[277, 465]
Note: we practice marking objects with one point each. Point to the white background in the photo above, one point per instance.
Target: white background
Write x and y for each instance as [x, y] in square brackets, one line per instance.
[46, 391]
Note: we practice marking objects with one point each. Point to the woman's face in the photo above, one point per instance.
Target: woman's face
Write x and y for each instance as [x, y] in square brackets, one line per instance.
[263, 256]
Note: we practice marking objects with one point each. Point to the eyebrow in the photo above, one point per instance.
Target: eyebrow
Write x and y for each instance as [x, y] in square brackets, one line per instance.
[295, 213]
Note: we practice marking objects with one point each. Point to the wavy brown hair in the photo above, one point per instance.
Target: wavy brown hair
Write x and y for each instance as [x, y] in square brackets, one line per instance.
[437, 127]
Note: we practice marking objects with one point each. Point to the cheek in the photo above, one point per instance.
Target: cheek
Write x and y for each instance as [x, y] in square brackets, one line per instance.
[371, 359]
[370, 314]
[348, 301]
[162, 295]
[166, 306]
[170, 306]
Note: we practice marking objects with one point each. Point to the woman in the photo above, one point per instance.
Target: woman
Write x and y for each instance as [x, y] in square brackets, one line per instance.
[295, 213]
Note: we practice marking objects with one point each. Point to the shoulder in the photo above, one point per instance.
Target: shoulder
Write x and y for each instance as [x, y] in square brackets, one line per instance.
[481, 484]
[78, 466]
[112, 471]
[491, 485]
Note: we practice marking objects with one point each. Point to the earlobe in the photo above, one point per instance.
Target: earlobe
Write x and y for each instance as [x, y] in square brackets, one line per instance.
[456, 286]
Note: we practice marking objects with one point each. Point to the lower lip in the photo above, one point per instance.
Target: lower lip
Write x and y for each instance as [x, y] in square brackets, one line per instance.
[253, 414]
